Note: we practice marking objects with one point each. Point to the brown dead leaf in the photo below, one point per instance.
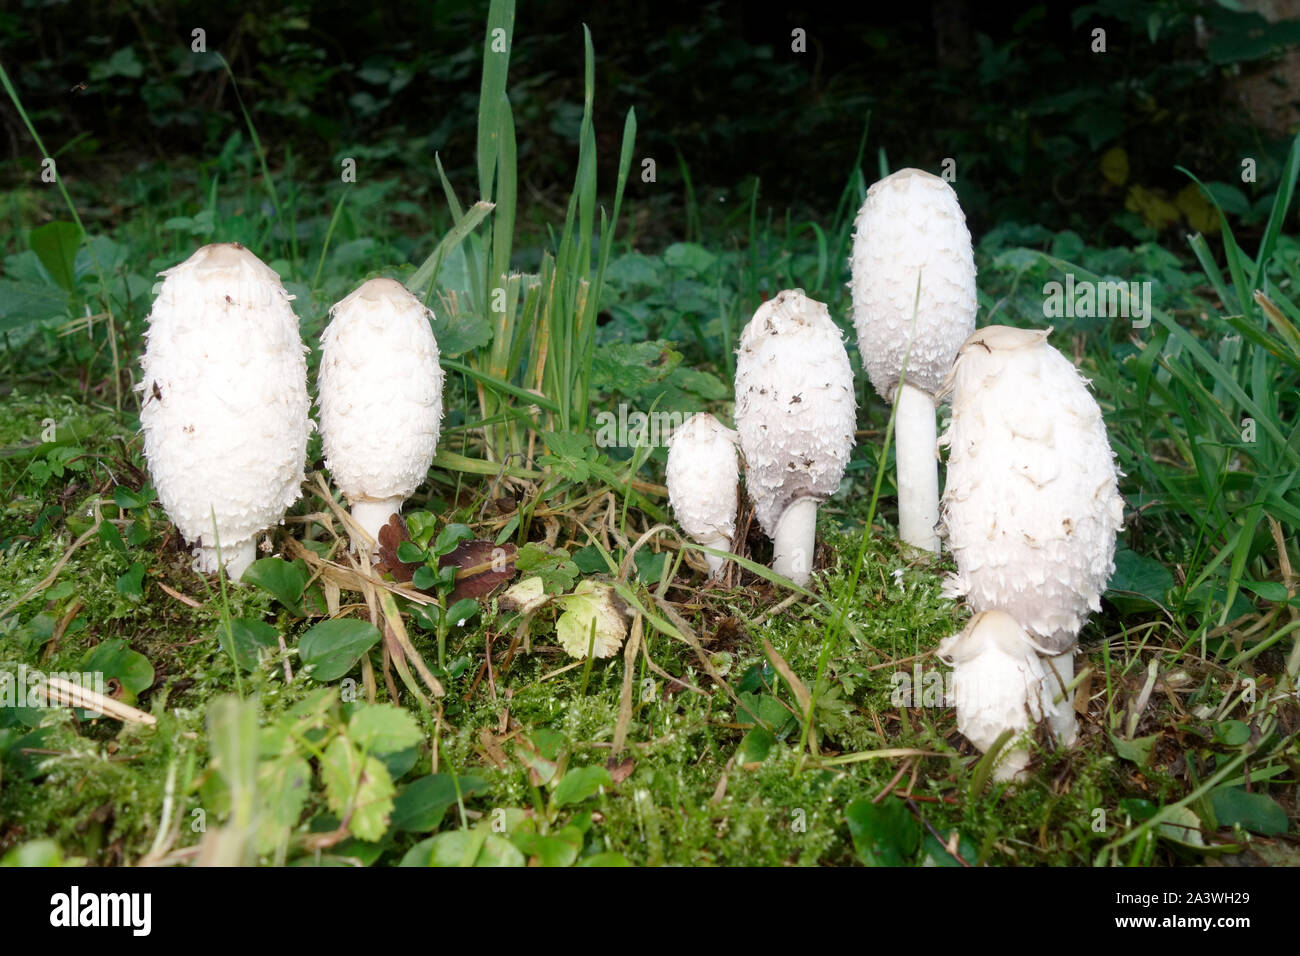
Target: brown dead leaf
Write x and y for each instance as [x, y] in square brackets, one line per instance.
[483, 566]
[619, 770]
[391, 537]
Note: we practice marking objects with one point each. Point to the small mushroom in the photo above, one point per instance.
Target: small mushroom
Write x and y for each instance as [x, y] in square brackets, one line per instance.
[912, 259]
[1001, 683]
[225, 415]
[702, 477]
[380, 388]
[1032, 505]
[795, 413]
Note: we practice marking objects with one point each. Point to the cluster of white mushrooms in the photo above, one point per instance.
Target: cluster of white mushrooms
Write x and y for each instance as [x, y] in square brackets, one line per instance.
[1030, 509]
[1031, 505]
[225, 414]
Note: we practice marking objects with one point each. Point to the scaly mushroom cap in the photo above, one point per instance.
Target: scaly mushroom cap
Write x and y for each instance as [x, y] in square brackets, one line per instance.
[380, 388]
[1000, 683]
[225, 412]
[702, 478]
[911, 225]
[1031, 507]
[795, 408]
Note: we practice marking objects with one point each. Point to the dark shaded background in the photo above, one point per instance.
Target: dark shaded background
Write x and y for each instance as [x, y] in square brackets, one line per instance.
[1011, 91]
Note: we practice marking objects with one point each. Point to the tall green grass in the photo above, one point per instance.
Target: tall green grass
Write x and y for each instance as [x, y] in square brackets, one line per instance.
[534, 372]
[1208, 426]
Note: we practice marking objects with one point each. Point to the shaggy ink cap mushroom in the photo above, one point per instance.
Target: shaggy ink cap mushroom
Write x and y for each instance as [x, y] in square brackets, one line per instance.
[795, 414]
[702, 478]
[914, 302]
[1032, 504]
[380, 395]
[1001, 683]
[225, 408]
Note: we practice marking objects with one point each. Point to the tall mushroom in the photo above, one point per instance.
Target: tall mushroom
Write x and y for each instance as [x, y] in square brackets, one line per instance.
[380, 393]
[1032, 505]
[225, 411]
[702, 478]
[795, 412]
[912, 257]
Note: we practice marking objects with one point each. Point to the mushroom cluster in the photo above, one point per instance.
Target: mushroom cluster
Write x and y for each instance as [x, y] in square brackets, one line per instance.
[1031, 508]
[1031, 511]
[225, 408]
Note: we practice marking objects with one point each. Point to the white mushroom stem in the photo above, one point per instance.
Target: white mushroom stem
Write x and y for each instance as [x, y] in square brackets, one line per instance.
[1064, 723]
[794, 540]
[915, 438]
[372, 514]
[715, 562]
[237, 558]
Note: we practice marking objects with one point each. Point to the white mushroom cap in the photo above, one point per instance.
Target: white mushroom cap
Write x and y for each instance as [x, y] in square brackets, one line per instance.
[702, 477]
[225, 411]
[1031, 507]
[380, 388]
[795, 407]
[1000, 683]
[911, 225]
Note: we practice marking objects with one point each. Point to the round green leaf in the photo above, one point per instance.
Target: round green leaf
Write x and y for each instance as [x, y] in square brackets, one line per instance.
[332, 648]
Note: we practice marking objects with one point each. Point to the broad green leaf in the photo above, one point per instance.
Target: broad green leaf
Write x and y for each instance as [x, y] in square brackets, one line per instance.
[559, 849]
[755, 746]
[40, 853]
[56, 244]
[1137, 574]
[1137, 750]
[1256, 812]
[115, 660]
[650, 566]
[363, 789]
[130, 583]
[1234, 733]
[498, 851]
[1183, 827]
[283, 786]
[283, 580]
[628, 367]
[450, 536]
[579, 784]
[460, 332]
[332, 648]
[690, 257]
[409, 553]
[934, 853]
[246, 637]
[419, 855]
[884, 834]
[384, 728]
[24, 303]
[422, 803]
